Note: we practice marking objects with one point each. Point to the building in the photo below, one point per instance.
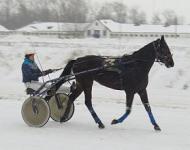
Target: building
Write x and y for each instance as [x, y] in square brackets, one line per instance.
[53, 29]
[3, 31]
[99, 29]
[111, 29]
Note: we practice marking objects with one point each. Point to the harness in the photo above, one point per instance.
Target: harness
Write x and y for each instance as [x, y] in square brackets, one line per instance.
[160, 58]
[118, 64]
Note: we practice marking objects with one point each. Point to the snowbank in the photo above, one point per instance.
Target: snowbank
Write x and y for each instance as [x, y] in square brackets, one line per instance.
[169, 92]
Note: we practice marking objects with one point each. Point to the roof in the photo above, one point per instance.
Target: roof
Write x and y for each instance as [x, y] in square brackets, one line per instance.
[109, 24]
[119, 27]
[54, 26]
[2, 28]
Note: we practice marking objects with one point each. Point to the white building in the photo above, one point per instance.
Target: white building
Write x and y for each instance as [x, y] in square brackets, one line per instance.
[99, 29]
[111, 29]
[3, 31]
[53, 29]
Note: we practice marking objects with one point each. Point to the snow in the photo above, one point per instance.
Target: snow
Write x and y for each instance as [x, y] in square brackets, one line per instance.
[81, 133]
[144, 28]
[54, 26]
[109, 24]
[2, 28]
[169, 92]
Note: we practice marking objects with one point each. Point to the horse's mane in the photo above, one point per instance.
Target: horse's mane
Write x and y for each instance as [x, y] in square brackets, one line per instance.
[138, 54]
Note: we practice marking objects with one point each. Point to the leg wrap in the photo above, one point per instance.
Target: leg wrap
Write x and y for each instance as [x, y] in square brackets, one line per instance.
[122, 118]
[151, 118]
[148, 109]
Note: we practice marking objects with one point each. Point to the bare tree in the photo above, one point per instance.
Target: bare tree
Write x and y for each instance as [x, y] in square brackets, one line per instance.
[116, 11]
[7, 7]
[105, 12]
[120, 10]
[156, 19]
[23, 16]
[74, 11]
[137, 16]
[170, 17]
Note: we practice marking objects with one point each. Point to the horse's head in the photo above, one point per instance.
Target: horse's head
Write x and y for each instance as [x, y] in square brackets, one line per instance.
[163, 53]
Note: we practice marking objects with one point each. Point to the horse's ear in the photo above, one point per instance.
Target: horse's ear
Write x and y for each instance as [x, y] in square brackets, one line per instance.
[162, 37]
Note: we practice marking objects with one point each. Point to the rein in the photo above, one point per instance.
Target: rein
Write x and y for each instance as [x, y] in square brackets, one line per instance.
[159, 58]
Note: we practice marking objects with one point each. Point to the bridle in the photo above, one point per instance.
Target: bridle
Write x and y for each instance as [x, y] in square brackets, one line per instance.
[156, 49]
[160, 58]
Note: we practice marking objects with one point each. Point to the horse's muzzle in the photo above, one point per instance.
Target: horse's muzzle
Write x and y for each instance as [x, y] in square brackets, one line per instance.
[170, 64]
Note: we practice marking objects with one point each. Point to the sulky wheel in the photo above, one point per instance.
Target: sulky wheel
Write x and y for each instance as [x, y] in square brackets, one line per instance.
[35, 111]
[58, 105]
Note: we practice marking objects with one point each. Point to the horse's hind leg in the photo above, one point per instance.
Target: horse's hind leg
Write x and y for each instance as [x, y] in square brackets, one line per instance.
[129, 101]
[72, 98]
[87, 87]
[144, 98]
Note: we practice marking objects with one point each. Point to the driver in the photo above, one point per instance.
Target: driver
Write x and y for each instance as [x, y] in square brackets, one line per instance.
[31, 73]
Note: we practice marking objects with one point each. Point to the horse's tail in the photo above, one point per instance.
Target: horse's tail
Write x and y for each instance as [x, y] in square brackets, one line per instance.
[68, 67]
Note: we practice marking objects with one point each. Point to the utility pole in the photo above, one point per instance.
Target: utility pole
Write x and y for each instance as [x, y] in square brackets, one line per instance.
[176, 24]
[58, 23]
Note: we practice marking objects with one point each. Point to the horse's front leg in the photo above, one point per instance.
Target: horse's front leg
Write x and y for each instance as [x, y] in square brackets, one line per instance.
[144, 98]
[72, 98]
[129, 101]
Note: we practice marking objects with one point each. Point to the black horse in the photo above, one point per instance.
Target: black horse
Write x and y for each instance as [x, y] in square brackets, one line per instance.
[128, 73]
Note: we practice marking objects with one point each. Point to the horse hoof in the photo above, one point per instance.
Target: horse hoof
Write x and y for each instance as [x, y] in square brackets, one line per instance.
[157, 128]
[114, 121]
[101, 126]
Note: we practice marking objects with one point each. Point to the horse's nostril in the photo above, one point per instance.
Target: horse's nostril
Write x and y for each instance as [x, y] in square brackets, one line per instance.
[171, 64]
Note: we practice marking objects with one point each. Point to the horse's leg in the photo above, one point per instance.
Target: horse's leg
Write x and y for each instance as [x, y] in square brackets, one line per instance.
[72, 98]
[129, 101]
[144, 98]
[88, 102]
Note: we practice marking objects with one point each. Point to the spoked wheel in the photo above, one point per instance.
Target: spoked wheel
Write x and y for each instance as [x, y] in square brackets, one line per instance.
[58, 105]
[35, 111]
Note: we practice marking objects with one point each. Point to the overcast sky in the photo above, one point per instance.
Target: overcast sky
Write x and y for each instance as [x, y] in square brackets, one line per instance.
[181, 7]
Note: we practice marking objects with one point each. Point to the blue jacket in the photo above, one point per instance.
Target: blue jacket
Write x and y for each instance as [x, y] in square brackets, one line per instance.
[30, 71]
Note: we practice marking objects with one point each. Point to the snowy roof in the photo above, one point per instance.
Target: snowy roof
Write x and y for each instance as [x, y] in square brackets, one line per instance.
[2, 28]
[109, 24]
[119, 27]
[54, 26]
